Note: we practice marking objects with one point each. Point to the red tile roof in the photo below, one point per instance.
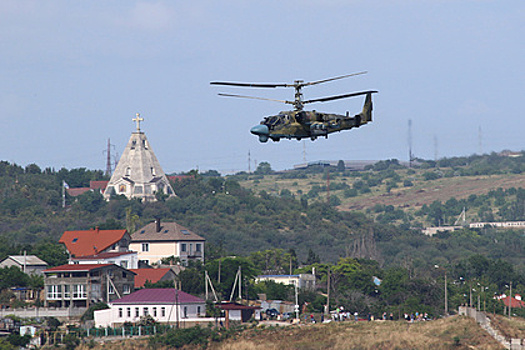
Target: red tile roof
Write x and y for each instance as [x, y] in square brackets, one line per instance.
[159, 296]
[90, 242]
[98, 185]
[515, 302]
[76, 267]
[152, 275]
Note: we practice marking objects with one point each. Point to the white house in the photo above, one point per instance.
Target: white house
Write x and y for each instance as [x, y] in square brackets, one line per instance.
[165, 305]
[302, 281]
[128, 260]
[161, 240]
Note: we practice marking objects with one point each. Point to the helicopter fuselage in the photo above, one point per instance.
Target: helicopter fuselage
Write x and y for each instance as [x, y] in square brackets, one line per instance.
[309, 124]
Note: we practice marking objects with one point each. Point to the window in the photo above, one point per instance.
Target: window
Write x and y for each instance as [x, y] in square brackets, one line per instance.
[185, 312]
[111, 290]
[183, 247]
[120, 312]
[145, 247]
[128, 311]
[137, 312]
[122, 188]
[185, 232]
[198, 247]
[198, 310]
[79, 291]
[163, 311]
[146, 311]
[154, 312]
[67, 291]
[54, 292]
[126, 289]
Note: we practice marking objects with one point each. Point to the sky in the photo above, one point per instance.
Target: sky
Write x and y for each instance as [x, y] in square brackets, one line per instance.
[73, 74]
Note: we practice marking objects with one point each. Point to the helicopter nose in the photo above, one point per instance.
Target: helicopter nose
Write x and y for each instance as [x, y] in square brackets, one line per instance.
[260, 130]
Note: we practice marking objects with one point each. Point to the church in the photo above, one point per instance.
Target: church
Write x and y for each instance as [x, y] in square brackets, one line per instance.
[138, 173]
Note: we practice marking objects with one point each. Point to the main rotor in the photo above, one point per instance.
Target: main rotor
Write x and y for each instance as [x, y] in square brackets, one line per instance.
[298, 102]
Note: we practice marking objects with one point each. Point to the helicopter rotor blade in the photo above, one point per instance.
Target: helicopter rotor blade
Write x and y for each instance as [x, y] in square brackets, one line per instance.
[256, 98]
[252, 85]
[331, 98]
[330, 79]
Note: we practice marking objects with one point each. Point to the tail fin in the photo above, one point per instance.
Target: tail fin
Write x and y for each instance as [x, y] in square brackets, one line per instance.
[366, 114]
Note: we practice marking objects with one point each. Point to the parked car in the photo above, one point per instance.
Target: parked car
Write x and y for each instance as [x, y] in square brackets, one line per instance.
[272, 313]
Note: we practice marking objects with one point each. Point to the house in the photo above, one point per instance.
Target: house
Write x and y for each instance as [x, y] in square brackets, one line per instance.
[515, 302]
[302, 281]
[95, 241]
[99, 186]
[128, 260]
[153, 276]
[30, 264]
[161, 240]
[165, 305]
[79, 285]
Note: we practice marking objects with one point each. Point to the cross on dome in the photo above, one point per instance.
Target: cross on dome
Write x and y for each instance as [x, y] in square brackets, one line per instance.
[138, 119]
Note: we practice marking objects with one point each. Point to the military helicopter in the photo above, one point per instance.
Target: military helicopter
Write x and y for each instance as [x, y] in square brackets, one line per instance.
[299, 124]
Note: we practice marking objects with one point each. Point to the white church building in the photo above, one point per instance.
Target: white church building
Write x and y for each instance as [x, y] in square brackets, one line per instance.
[138, 173]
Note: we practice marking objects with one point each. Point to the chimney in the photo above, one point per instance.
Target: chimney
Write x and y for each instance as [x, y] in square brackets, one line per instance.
[157, 225]
[97, 229]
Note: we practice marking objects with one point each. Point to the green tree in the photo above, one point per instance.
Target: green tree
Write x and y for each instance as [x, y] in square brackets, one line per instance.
[264, 168]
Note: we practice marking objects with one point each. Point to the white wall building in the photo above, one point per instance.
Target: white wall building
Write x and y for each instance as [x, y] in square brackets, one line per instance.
[165, 305]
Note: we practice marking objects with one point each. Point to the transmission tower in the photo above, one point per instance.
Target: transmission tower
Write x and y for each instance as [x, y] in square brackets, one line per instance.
[410, 156]
[249, 163]
[108, 158]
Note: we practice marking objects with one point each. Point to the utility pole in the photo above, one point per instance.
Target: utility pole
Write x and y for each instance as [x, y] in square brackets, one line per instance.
[510, 300]
[328, 292]
[446, 294]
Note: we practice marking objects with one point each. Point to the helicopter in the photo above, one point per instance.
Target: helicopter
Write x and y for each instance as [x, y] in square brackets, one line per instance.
[299, 123]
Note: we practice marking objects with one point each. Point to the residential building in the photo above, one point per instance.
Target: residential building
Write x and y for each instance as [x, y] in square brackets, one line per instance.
[165, 305]
[302, 281]
[161, 240]
[30, 264]
[95, 242]
[128, 260]
[94, 186]
[138, 173]
[79, 285]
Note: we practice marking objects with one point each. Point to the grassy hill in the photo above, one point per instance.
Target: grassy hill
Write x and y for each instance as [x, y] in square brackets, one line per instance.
[410, 190]
[453, 332]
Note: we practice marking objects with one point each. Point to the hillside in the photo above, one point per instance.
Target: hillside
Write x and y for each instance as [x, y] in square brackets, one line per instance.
[454, 332]
[410, 190]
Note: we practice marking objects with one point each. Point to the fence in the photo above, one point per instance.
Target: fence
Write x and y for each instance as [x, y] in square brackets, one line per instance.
[57, 337]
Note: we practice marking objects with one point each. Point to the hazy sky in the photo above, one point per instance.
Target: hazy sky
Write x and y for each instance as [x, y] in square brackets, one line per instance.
[74, 73]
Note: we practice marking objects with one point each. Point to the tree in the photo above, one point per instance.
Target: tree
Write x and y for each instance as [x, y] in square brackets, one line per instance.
[264, 168]
[55, 254]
